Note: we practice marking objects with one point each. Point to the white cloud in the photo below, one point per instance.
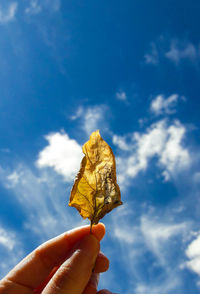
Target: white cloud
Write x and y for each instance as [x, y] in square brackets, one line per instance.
[158, 233]
[175, 50]
[161, 105]
[193, 253]
[174, 156]
[34, 7]
[152, 57]
[120, 142]
[124, 234]
[166, 176]
[166, 286]
[121, 95]
[13, 178]
[179, 51]
[11, 249]
[7, 239]
[153, 234]
[150, 231]
[8, 14]
[92, 118]
[127, 233]
[79, 112]
[54, 4]
[162, 141]
[196, 177]
[62, 154]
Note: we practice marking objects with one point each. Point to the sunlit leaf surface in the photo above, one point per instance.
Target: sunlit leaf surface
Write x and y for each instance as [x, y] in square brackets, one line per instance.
[95, 191]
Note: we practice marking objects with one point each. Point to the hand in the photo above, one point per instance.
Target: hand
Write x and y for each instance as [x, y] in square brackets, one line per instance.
[67, 264]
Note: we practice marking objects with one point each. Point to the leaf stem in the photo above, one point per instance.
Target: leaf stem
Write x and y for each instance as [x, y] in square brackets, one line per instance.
[91, 227]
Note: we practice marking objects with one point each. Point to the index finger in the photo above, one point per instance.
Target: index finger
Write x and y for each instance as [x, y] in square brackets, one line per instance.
[35, 268]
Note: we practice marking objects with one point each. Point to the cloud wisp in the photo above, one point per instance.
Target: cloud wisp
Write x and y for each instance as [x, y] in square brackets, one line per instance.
[179, 52]
[175, 50]
[161, 105]
[11, 249]
[8, 13]
[121, 95]
[158, 233]
[152, 56]
[35, 6]
[91, 118]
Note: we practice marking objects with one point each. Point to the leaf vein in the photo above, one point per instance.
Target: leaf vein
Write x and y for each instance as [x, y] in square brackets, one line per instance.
[85, 197]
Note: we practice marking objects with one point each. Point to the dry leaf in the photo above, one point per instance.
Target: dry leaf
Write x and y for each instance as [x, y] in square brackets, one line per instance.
[95, 191]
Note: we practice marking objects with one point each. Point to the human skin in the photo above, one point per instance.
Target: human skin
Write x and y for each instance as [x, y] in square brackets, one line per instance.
[69, 263]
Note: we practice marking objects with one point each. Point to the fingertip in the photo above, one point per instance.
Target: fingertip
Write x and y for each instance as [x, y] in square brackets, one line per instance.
[102, 263]
[99, 231]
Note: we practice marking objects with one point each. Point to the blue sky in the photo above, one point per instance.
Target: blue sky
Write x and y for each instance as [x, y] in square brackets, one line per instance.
[132, 70]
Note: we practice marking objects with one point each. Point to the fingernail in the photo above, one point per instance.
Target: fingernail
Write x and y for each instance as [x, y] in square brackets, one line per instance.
[99, 231]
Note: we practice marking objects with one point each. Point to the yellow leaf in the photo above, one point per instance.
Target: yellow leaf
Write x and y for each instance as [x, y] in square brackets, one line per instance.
[95, 191]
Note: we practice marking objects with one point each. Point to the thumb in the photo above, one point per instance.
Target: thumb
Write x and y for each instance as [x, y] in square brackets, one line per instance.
[74, 274]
